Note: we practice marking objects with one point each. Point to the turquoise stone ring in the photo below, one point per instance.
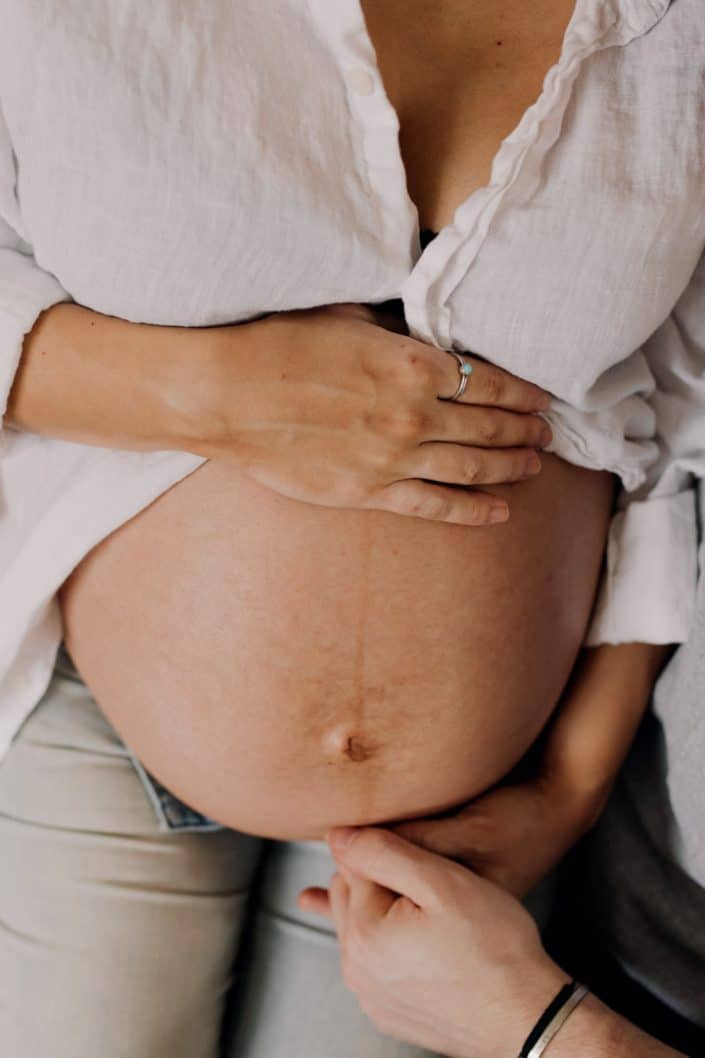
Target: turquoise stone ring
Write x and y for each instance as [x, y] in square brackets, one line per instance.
[464, 371]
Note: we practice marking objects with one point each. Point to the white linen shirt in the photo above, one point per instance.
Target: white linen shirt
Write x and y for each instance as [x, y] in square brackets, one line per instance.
[199, 164]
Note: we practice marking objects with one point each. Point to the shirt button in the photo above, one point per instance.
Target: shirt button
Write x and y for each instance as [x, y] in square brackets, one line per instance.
[361, 81]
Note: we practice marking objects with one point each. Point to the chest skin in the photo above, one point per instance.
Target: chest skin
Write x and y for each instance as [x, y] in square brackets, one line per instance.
[460, 75]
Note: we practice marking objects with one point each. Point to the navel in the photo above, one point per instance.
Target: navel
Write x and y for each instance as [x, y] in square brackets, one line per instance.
[342, 746]
[356, 750]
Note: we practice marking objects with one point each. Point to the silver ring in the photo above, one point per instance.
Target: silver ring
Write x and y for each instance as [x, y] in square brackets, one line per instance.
[465, 369]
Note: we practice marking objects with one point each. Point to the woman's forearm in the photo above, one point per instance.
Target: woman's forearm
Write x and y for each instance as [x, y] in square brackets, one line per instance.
[345, 430]
[596, 724]
[100, 380]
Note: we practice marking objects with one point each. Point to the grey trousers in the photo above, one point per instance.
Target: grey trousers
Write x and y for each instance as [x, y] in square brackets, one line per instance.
[120, 940]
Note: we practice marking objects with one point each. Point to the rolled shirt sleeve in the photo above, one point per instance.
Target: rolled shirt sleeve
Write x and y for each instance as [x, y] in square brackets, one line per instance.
[26, 290]
[649, 588]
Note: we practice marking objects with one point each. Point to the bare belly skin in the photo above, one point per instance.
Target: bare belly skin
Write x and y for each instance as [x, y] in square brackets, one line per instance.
[284, 667]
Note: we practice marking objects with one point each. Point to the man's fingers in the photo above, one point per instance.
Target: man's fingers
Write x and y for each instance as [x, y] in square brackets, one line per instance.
[316, 901]
[339, 897]
[386, 858]
[492, 386]
[368, 902]
[336, 902]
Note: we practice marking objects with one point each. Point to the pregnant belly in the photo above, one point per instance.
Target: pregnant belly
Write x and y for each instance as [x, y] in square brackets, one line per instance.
[284, 667]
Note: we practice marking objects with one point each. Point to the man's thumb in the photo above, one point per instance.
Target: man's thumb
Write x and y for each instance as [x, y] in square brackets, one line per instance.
[389, 860]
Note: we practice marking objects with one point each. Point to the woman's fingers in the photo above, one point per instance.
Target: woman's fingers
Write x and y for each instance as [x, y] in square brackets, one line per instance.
[354, 420]
[457, 464]
[488, 427]
[438, 503]
[492, 386]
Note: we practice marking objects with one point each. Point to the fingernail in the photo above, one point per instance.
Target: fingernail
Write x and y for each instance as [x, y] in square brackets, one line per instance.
[546, 436]
[544, 402]
[499, 514]
[340, 837]
[533, 464]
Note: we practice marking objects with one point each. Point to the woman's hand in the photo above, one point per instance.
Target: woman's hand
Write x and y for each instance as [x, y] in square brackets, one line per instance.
[331, 407]
[436, 955]
[513, 836]
[516, 834]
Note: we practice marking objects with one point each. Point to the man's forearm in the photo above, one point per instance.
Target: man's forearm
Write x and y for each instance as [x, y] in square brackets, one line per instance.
[594, 1031]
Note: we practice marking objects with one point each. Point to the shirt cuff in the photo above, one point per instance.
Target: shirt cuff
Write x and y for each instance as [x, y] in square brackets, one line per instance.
[649, 589]
[22, 300]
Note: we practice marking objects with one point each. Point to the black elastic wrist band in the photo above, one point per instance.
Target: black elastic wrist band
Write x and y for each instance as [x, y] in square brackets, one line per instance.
[547, 1017]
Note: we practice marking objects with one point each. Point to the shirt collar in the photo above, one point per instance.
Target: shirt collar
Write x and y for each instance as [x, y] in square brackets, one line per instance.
[603, 23]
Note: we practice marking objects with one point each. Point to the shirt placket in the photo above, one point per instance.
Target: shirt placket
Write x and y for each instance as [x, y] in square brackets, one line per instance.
[516, 167]
[435, 273]
[343, 27]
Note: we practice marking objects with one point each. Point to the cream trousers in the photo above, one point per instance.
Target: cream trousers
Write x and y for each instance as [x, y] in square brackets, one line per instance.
[118, 940]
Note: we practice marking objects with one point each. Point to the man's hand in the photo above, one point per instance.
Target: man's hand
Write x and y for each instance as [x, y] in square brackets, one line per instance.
[436, 955]
[446, 960]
